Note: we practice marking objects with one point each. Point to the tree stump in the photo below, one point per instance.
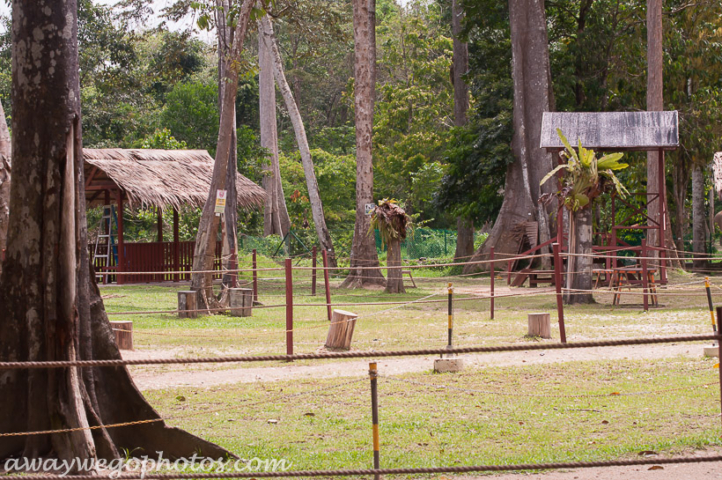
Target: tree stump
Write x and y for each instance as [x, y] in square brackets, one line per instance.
[123, 334]
[340, 331]
[188, 304]
[539, 325]
[241, 302]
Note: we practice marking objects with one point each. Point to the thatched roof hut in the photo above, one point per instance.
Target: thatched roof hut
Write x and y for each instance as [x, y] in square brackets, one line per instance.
[159, 178]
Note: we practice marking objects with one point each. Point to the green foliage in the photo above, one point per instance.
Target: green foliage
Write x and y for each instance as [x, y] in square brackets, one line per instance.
[191, 114]
[163, 140]
[585, 176]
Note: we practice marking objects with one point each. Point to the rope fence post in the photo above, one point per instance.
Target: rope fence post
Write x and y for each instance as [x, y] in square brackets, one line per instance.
[326, 283]
[492, 275]
[719, 352]
[313, 271]
[645, 279]
[558, 285]
[451, 316]
[373, 375]
[289, 307]
[711, 306]
[255, 277]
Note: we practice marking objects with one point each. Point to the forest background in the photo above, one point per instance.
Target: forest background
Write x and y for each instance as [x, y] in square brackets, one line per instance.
[156, 86]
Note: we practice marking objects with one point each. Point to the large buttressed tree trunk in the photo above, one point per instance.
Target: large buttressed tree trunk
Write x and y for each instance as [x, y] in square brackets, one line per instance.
[464, 227]
[532, 97]
[276, 219]
[319, 219]
[363, 250]
[5, 174]
[204, 253]
[52, 309]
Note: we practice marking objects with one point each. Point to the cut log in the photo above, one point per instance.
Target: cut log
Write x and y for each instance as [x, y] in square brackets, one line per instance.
[539, 325]
[188, 304]
[340, 331]
[241, 302]
[123, 331]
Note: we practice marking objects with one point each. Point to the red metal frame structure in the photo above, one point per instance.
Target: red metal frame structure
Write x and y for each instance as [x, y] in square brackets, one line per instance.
[620, 132]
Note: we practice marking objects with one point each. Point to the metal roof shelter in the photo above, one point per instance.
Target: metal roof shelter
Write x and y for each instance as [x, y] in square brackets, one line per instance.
[619, 131]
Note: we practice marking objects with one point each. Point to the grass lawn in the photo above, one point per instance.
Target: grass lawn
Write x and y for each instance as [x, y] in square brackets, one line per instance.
[494, 416]
[500, 415]
[684, 311]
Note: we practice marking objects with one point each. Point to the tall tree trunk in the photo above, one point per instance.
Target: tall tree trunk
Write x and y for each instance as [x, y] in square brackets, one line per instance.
[276, 219]
[5, 174]
[681, 175]
[394, 277]
[230, 216]
[699, 217]
[655, 102]
[363, 250]
[464, 240]
[52, 310]
[464, 227]
[532, 97]
[319, 219]
[204, 253]
[579, 268]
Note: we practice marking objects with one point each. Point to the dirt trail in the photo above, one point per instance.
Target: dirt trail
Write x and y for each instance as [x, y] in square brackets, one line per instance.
[694, 471]
[149, 380]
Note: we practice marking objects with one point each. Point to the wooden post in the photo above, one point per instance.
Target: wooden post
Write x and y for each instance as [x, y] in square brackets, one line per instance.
[493, 274]
[176, 245]
[123, 331]
[160, 225]
[539, 325]
[109, 226]
[719, 350]
[373, 374]
[289, 307]
[241, 302]
[313, 271]
[645, 279]
[450, 343]
[188, 304]
[662, 187]
[255, 277]
[120, 279]
[327, 283]
[558, 285]
[340, 330]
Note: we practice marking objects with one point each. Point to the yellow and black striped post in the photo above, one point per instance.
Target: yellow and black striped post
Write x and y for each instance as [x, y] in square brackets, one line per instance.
[451, 316]
[709, 302]
[373, 375]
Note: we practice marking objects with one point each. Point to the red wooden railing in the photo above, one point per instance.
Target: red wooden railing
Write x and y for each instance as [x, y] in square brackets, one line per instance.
[154, 257]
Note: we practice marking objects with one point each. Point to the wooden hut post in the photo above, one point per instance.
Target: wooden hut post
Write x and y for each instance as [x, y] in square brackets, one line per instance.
[121, 244]
[160, 225]
[176, 246]
[662, 188]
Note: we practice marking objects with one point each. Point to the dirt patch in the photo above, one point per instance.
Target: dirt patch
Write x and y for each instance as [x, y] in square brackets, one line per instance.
[696, 471]
[151, 380]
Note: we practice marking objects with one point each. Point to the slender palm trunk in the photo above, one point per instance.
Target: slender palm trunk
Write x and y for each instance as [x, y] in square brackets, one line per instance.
[394, 277]
[580, 269]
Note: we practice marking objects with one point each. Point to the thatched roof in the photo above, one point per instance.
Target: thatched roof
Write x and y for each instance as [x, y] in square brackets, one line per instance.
[612, 130]
[161, 178]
